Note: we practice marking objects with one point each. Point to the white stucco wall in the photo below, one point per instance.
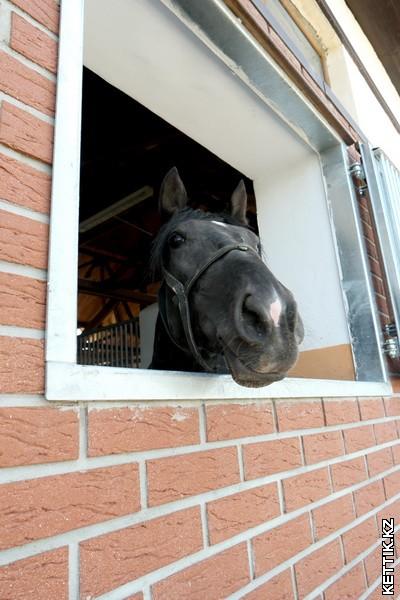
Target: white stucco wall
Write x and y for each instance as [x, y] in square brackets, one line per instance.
[346, 80]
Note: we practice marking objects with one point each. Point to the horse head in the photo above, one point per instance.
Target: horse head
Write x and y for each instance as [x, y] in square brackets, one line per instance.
[220, 308]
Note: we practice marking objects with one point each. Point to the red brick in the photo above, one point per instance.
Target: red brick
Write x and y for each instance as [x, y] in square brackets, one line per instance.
[266, 458]
[333, 516]
[379, 461]
[373, 565]
[23, 240]
[232, 515]
[37, 435]
[133, 429]
[22, 301]
[190, 474]
[358, 438]
[371, 408]
[306, 488]
[369, 497]
[42, 577]
[33, 43]
[392, 484]
[317, 567]
[46, 12]
[349, 587]
[25, 84]
[215, 578]
[299, 415]
[25, 133]
[341, 411]
[323, 446]
[20, 184]
[385, 432]
[111, 560]
[21, 365]
[359, 539]
[272, 548]
[39, 508]
[392, 406]
[230, 421]
[278, 588]
[135, 597]
[348, 473]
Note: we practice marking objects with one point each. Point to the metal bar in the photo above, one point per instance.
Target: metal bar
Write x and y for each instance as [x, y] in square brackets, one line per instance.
[364, 328]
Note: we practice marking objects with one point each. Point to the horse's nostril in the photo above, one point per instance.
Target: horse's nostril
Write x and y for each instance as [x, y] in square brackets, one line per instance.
[253, 319]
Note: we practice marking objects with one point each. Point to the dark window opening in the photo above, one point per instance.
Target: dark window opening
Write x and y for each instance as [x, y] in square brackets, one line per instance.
[126, 151]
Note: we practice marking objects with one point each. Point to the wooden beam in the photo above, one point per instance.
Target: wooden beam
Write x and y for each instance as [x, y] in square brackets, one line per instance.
[92, 288]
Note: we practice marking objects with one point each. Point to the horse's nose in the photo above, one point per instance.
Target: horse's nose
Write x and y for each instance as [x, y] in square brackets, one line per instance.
[258, 318]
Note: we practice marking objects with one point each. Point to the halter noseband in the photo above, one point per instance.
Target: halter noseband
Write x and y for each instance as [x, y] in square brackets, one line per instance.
[182, 293]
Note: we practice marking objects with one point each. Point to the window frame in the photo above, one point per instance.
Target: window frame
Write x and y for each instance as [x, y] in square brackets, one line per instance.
[68, 381]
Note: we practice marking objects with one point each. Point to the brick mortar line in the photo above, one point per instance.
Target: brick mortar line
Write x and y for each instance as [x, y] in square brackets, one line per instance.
[22, 270]
[27, 472]
[15, 331]
[22, 211]
[27, 62]
[73, 571]
[376, 583]
[112, 525]
[31, 20]
[83, 438]
[29, 161]
[204, 525]
[34, 112]
[160, 574]
[143, 485]
[294, 583]
[147, 594]
[250, 559]
[239, 449]
[202, 424]
[24, 401]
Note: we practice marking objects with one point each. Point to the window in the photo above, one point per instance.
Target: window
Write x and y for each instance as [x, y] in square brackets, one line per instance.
[150, 54]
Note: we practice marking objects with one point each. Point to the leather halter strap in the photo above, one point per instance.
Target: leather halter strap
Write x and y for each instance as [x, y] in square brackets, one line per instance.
[182, 293]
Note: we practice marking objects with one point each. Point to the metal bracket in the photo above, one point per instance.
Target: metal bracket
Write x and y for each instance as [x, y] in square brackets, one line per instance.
[391, 345]
[357, 172]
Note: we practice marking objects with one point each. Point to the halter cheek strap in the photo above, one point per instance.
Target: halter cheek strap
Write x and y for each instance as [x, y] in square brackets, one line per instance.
[182, 294]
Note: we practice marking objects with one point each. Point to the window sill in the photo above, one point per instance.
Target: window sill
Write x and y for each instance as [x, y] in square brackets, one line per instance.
[70, 382]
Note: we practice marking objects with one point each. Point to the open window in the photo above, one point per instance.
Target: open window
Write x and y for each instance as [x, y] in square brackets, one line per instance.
[155, 95]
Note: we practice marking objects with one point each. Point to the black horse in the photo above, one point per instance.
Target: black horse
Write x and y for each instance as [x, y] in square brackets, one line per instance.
[221, 309]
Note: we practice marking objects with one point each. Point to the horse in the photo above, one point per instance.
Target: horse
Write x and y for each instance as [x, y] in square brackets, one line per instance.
[221, 310]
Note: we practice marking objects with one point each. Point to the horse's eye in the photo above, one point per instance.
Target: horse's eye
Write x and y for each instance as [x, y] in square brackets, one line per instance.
[176, 239]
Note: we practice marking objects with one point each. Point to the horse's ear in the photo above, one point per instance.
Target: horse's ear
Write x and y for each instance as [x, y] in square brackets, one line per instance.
[173, 194]
[239, 203]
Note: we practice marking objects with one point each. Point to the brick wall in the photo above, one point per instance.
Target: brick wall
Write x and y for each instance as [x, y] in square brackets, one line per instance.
[256, 500]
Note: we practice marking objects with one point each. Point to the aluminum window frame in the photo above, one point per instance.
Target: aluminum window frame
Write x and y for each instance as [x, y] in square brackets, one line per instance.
[217, 27]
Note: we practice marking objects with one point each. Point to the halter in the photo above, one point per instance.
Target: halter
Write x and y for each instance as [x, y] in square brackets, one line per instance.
[182, 293]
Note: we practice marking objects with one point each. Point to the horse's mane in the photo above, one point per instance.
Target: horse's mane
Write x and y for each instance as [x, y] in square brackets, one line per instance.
[176, 219]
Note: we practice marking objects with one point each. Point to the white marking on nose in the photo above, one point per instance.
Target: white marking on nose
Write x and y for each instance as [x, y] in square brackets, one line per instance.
[219, 223]
[276, 309]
